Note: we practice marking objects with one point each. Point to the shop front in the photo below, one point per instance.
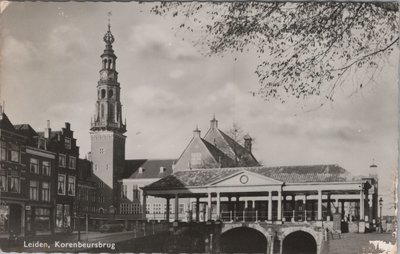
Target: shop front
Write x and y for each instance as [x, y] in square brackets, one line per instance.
[63, 218]
[11, 219]
[38, 220]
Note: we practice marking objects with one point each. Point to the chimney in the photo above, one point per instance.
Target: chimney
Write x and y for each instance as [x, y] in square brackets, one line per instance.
[214, 123]
[47, 130]
[89, 156]
[196, 132]
[247, 142]
[67, 126]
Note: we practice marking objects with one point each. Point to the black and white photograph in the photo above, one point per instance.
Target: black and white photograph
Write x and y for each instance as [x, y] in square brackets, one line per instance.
[199, 127]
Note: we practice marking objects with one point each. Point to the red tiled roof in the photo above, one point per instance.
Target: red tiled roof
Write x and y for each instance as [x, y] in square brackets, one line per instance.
[287, 174]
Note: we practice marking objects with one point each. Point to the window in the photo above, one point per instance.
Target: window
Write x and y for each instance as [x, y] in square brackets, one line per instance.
[34, 190]
[34, 166]
[61, 185]
[181, 208]
[67, 142]
[71, 185]
[3, 151]
[45, 191]
[124, 191]
[3, 183]
[101, 150]
[72, 162]
[46, 168]
[13, 153]
[13, 184]
[195, 159]
[42, 143]
[135, 192]
[62, 160]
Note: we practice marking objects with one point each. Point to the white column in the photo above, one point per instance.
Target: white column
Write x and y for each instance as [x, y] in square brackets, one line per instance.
[362, 205]
[305, 207]
[337, 205]
[270, 206]
[218, 205]
[279, 205]
[209, 210]
[319, 205]
[144, 205]
[176, 207]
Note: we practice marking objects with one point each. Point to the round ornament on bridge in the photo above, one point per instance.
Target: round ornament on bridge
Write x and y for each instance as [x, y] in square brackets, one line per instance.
[244, 179]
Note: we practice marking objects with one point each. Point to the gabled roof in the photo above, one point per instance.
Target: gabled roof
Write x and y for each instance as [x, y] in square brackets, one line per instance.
[246, 156]
[151, 168]
[286, 174]
[5, 123]
[230, 147]
[25, 129]
[218, 155]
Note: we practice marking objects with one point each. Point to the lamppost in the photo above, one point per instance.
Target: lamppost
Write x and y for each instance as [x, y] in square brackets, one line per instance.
[380, 218]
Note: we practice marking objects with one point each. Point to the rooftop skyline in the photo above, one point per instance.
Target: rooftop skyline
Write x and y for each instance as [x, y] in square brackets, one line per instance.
[50, 67]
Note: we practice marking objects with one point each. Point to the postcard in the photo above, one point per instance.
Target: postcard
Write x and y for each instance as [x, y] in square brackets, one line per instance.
[199, 127]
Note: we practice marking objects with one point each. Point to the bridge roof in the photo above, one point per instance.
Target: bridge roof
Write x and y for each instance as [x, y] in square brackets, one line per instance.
[287, 174]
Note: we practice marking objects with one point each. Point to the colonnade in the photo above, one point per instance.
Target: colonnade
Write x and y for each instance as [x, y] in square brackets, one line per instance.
[273, 195]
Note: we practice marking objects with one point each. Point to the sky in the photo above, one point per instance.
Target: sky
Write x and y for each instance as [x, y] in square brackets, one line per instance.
[50, 62]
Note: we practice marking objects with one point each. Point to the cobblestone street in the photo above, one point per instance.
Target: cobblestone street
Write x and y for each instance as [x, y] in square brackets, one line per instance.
[353, 243]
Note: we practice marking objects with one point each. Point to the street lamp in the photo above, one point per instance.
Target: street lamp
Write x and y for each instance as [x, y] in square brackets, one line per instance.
[380, 218]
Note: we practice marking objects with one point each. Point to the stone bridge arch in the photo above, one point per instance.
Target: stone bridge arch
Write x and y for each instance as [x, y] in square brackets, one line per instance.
[267, 233]
[316, 235]
[261, 238]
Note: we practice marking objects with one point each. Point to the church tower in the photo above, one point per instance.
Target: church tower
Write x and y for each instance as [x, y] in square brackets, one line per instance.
[107, 130]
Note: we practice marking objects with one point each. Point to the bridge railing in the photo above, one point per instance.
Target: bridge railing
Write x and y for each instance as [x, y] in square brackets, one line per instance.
[244, 216]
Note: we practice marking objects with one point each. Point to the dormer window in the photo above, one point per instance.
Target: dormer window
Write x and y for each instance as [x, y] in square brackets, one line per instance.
[162, 170]
[42, 143]
[141, 170]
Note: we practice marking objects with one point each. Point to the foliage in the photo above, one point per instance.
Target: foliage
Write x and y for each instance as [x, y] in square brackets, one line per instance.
[304, 49]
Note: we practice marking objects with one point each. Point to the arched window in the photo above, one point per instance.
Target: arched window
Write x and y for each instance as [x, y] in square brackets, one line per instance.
[104, 63]
[103, 93]
[102, 110]
[110, 93]
[109, 64]
[111, 113]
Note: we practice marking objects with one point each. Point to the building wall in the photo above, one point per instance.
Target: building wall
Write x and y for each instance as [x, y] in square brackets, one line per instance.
[108, 157]
[195, 155]
[63, 144]
[40, 213]
[12, 210]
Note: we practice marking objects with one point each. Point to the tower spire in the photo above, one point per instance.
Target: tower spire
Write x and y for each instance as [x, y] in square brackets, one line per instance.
[108, 37]
[108, 114]
[109, 20]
